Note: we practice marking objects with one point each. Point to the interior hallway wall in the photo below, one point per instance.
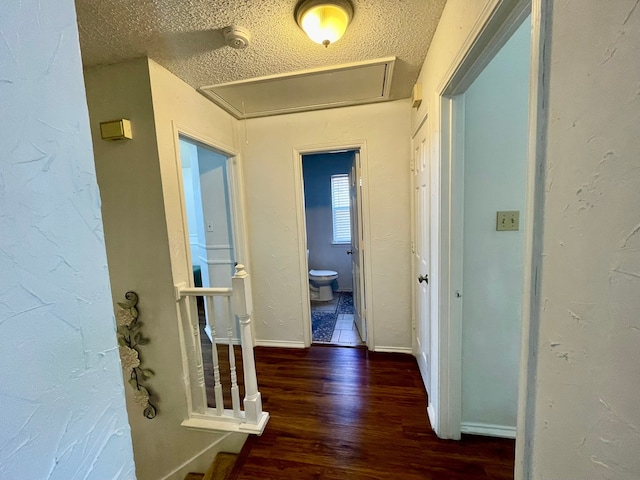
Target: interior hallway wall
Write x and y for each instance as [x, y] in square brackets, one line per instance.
[140, 251]
[582, 415]
[317, 170]
[586, 357]
[61, 389]
[496, 112]
[271, 214]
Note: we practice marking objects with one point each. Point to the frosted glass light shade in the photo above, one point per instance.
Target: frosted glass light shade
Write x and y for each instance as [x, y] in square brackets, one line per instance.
[323, 21]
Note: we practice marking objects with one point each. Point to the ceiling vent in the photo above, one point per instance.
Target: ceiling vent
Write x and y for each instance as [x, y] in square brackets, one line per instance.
[316, 89]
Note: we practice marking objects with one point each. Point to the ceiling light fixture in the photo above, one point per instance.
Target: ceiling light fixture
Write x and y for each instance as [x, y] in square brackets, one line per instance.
[324, 21]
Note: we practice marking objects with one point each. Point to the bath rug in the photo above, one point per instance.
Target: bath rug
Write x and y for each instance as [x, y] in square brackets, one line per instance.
[345, 304]
[322, 326]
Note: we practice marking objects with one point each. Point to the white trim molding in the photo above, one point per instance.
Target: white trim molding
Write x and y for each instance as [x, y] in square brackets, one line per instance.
[383, 349]
[538, 92]
[488, 429]
[279, 344]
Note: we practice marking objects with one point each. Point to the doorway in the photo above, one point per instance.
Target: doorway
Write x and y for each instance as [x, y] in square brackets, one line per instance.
[207, 188]
[457, 343]
[331, 192]
[492, 189]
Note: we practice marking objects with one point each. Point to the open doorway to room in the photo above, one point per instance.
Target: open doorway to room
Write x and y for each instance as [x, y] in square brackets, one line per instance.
[208, 190]
[333, 230]
[492, 187]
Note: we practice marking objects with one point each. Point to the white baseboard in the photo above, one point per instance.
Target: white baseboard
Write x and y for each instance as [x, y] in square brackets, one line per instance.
[424, 370]
[431, 413]
[488, 429]
[225, 341]
[382, 349]
[279, 344]
[200, 462]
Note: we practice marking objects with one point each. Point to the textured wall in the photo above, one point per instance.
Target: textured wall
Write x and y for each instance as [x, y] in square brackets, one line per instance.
[138, 249]
[586, 417]
[271, 210]
[61, 393]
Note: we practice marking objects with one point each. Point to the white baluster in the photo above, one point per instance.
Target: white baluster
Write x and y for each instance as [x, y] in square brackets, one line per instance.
[214, 356]
[199, 392]
[242, 307]
[235, 392]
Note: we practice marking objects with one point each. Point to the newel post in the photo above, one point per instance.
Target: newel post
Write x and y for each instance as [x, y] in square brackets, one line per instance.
[242, 307]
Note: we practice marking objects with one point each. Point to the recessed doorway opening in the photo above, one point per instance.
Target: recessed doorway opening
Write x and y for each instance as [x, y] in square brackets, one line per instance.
[331, 183]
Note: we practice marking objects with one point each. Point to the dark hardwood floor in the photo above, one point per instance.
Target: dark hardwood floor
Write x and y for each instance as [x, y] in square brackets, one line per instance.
[347, 413]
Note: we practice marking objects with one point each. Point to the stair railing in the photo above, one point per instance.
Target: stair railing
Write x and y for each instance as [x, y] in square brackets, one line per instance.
[236, 303]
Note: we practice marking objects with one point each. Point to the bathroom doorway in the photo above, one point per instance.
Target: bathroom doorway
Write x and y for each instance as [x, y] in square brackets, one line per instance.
[331, 191]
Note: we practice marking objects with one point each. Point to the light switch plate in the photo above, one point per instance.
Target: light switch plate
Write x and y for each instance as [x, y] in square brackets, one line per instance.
[508, 221]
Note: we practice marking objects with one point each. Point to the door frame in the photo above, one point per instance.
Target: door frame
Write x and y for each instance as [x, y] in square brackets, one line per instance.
[363, 198]
[497, 22]
[236, 194]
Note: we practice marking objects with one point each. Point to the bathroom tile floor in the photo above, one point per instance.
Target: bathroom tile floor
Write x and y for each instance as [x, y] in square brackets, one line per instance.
[345, 332]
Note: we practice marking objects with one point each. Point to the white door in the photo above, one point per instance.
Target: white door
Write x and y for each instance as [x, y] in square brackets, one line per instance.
[421, 253]
[357, 260]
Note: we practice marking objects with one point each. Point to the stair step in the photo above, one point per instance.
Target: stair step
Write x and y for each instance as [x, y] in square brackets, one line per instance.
[194, 476]
[220, 468]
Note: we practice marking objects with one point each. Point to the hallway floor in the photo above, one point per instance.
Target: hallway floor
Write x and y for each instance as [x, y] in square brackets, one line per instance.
[347, 413]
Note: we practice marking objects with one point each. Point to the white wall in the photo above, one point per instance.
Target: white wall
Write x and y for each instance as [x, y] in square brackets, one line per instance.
[456, 23]
[271, 210]
[495, 163]
[586, 384]
[175, 102]
[216, 210]
[139, 251]
[61, 394]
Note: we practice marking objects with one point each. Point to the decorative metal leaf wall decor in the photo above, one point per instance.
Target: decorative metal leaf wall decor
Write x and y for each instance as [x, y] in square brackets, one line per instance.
[130, 338]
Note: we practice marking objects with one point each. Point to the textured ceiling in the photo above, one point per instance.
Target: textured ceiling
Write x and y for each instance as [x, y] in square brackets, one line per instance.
[185, 36]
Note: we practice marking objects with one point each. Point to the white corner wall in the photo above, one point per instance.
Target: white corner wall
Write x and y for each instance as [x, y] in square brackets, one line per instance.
[271, 213]
[585, 415]
[458, 19]
[61, 393]
[176, 103]
[140, 253]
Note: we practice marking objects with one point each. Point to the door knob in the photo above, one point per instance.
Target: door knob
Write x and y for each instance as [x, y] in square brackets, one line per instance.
[349, 252]
[423, 278]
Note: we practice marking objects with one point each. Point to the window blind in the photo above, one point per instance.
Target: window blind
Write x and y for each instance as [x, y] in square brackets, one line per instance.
[340, 208]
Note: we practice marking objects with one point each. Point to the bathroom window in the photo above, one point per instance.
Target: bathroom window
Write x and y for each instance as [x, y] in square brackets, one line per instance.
[340, 208]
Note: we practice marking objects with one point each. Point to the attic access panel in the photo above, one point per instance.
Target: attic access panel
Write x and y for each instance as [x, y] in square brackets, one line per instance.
[351, 84]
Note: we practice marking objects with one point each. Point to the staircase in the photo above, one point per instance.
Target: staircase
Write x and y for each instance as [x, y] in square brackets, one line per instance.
[222, 468]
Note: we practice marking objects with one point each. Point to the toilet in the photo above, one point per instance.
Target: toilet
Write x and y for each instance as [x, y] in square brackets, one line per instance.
[320, 284]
